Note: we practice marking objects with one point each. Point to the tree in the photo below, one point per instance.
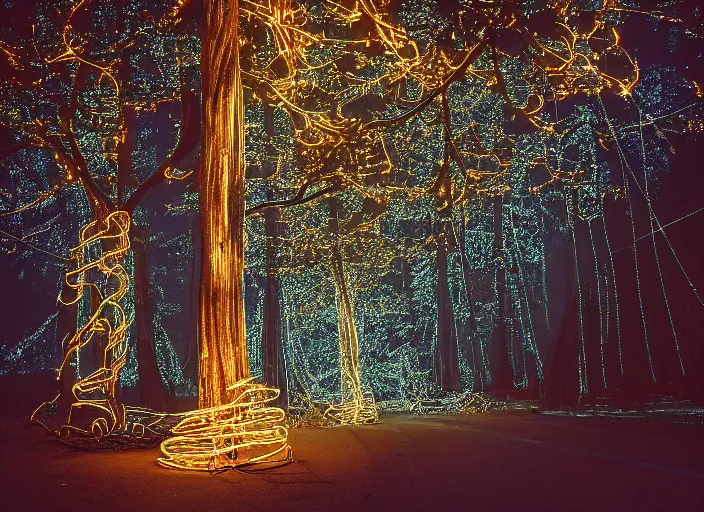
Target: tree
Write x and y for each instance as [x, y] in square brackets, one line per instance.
[80, 104]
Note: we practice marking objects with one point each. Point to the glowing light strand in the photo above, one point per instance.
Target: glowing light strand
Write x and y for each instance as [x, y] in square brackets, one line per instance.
[95, 411]
[241, 433]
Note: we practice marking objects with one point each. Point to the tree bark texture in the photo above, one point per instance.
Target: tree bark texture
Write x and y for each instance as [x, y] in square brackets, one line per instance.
[504, 373]
[475, 344]
[563, 383]
[447, 370]
[347, 330]
[563, 387]
[223, 349]
[273, 350]
[151, 385]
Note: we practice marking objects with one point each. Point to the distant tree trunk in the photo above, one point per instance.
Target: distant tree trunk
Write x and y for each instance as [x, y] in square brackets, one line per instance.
[272, 350]
[504, 372]
[447, 370]
[223, 349]
[634, 380]
[563, 387]
[347, 329]
[528, 348]
[592, 323]
[475, 345]
[406, 284]
[150, 382]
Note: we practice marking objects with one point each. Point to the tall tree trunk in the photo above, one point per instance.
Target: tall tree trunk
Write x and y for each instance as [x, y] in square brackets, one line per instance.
[223, 348]
[447, 370]
[406, 283]
[151, 385]
[475, 345]
[564, 385]
[504, 369]
[347, 330]
[272, 350]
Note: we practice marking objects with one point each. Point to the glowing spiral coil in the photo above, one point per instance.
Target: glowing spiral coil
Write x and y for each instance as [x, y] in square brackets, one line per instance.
[240, 433]
[95, 411]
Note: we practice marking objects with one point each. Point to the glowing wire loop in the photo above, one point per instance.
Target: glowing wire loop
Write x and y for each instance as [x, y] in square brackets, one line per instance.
[241, 433]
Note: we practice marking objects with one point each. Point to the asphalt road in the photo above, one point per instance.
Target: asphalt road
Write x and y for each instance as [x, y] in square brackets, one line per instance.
[498, 461]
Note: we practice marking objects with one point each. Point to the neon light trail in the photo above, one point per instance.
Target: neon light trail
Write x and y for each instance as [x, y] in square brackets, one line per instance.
[275, 213]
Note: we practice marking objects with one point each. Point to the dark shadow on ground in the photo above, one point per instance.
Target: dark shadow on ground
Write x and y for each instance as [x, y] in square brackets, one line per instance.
[496, 461]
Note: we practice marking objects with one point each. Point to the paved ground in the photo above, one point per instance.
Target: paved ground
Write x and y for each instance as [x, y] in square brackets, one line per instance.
[498, 461]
